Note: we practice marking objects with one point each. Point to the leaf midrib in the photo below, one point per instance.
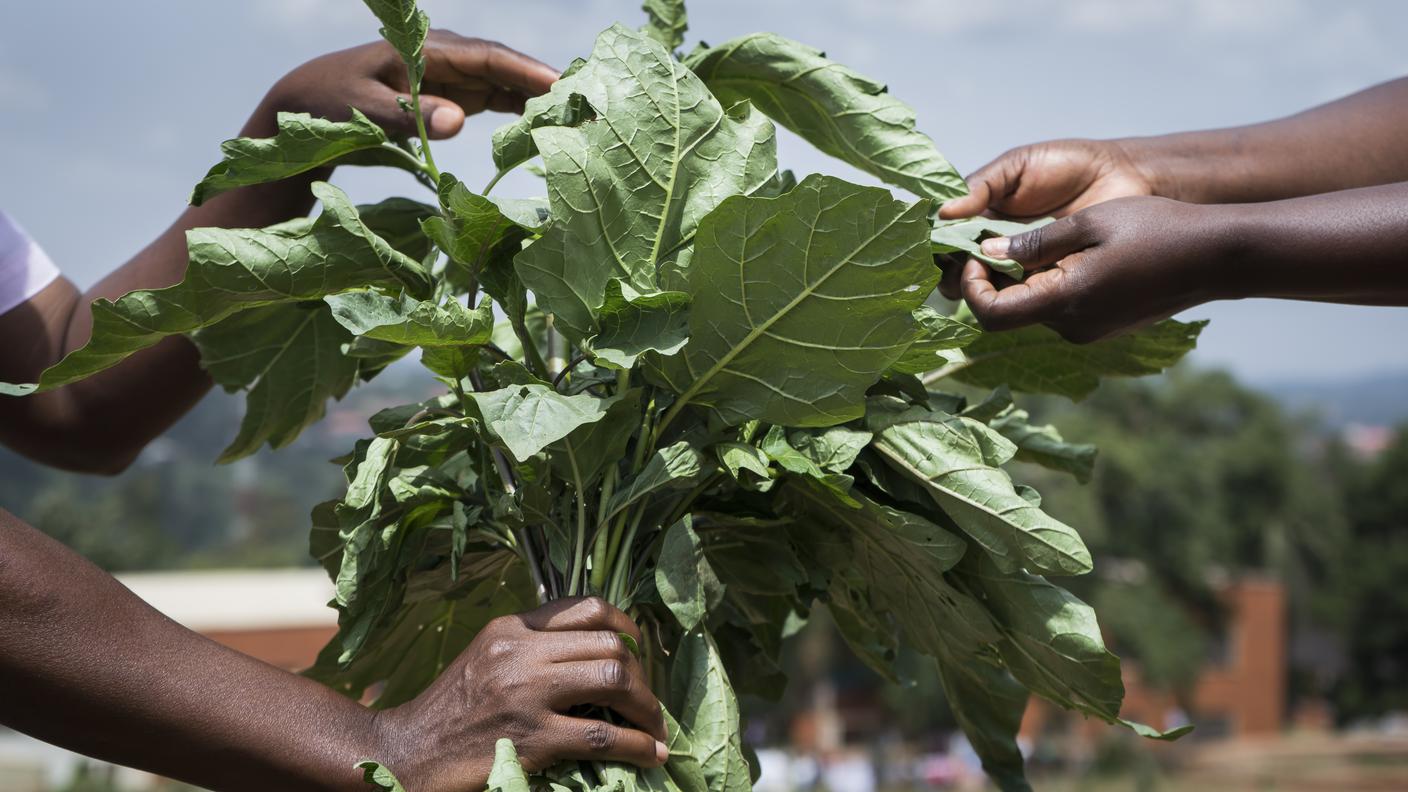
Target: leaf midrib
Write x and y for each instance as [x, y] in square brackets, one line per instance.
[758, 330]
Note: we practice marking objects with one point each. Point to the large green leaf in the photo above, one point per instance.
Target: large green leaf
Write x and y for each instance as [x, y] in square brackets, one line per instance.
[398, 221]
[687, 583]
[822, 279]
[632, 324]
[988, 704]
[898, 559]
[672, 467]
[404, 320]
[1036, 359]
[1052, 641]
[289, 357]
[1043, 445]
[844, 114]
[237, 269]
[708, 710]
[405, 27]
[481, 239]
[528, 418]
[833, 449]
[938, 334]
[413, 644]
[956, 460]
[590, 449]
[628, 189]
[666, 22]
[302, 144]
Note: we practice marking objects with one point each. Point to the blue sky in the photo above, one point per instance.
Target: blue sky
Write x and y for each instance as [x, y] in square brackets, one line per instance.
[109, 112]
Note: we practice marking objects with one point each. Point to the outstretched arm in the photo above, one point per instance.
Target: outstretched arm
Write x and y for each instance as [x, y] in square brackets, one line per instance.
[87, 665]
[1358, 141]
[100, 424]
[1128, 262]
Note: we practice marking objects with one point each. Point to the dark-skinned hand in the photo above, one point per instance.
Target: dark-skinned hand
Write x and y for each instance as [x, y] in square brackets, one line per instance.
[1104, 270]
[1052, 179]
[519, 679]
[463, 76]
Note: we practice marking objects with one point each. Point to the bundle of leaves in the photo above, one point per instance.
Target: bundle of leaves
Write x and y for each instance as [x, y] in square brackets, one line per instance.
[684, 382]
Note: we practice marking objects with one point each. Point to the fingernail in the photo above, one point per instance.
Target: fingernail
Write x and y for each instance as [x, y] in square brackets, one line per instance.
[662, 752]
[996, 247]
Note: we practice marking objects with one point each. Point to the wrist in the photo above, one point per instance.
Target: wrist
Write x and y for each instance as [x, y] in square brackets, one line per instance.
[1233, 234]
[1168, 165]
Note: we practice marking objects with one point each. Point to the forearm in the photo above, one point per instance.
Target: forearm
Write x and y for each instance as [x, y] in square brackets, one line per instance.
[1358, 141]
[100, 424]
[87, 665]
[1349, 246]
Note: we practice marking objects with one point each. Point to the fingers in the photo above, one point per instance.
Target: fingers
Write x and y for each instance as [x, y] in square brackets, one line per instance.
[593, 740]
[1037, 299]
[588, 645]
[452, 58]
[986, 188]
[581, 614]
[1041, 246]
[950, 275]
[615, 684]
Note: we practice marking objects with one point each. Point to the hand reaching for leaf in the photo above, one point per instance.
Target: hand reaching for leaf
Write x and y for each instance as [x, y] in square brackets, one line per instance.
[1051, 179]
[463, 76]
[1151, 226]
[101, 425]
[524, 677]
[1126, 263]
[1110, 268]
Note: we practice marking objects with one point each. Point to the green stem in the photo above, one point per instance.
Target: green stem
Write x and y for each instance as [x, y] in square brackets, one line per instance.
[579, 557]
[623, 560]
[643, 438]
[601, 549]
[433, 171]
[530, 349]
[410, 158]
[494, 181]
[946, 370]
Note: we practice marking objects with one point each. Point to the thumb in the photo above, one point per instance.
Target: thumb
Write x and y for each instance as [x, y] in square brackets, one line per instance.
[443, 118]
[392, 112]
[987, 186]
[1042, 246]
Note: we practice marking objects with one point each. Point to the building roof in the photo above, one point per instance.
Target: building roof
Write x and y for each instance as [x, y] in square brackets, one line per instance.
[217, 600]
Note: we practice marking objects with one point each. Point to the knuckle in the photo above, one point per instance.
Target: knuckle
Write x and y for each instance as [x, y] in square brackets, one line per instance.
[614, 675]
[1027, 246]
[596, 608]
[599, 736]
[1082, 224]
[499, 648]
[613, 648]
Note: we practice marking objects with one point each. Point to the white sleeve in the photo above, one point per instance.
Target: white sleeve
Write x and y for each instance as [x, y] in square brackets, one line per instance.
[25, 269]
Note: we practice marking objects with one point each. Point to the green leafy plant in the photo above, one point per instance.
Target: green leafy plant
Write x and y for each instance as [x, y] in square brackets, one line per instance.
[684, 381]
